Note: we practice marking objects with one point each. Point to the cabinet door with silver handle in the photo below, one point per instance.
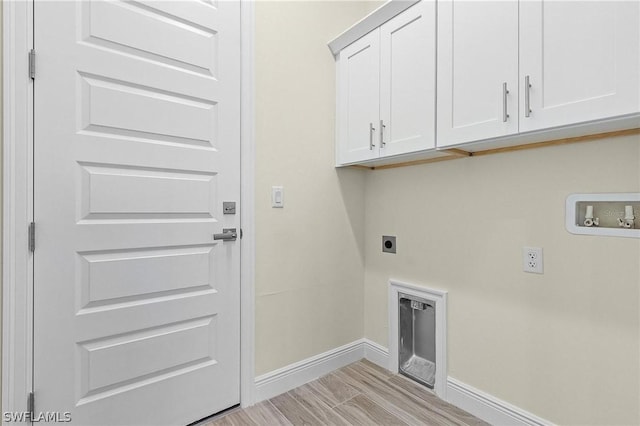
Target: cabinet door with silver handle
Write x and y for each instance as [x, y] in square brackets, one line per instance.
[228, 234]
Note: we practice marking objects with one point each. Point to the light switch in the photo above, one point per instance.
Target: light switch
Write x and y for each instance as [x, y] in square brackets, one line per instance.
[277, 197]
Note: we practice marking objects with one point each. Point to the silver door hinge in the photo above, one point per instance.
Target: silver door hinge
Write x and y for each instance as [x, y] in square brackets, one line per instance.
[32, 237]
[30, 405]
[32, 64]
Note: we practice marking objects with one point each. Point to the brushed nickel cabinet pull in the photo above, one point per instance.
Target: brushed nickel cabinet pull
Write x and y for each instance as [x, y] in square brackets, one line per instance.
[505, 92]
[527, 102]
[371, 130]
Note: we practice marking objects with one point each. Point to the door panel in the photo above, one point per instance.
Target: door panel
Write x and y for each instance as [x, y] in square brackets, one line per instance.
[358, 102]
[106, 277]
[188, 121]
[408, 80]
[477, 54]
[109, 192]
[143, 355]
[201, 37]
[136, 307]
[582, 58]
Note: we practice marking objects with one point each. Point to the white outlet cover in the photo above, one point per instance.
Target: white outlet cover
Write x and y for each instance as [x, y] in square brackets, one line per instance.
[532, 260]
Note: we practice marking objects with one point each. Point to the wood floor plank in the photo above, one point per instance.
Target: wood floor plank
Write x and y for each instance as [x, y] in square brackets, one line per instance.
[320, 394]
[361, 393]
[332, 390]
[437, 404]
[236, 418]
[381, 371]
[306, 396]
[378, 385]
[405, 386]
[376, 397]
[264, 413]
[293, 411]
[407, 401]
[362, 411]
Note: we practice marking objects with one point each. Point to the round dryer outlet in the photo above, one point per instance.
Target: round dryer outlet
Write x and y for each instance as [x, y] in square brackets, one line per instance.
[388, 243]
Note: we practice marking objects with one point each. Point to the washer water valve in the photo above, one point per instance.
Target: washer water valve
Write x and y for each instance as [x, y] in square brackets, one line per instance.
[588, 218]
[628, 221]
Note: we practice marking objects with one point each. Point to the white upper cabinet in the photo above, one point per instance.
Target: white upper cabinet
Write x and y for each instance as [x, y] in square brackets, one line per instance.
[386, 89]
[477, 70]
[358, 97]
[581, 60]
[408, 81]
[512, 67]
[509, 72]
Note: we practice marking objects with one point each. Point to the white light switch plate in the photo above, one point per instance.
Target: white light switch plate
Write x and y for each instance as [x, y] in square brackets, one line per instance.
[277, 197]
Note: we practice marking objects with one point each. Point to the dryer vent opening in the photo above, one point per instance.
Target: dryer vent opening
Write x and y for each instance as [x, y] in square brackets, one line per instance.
[417, 339]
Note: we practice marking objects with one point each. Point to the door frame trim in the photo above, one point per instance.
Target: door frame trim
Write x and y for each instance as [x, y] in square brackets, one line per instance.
[247, 203]
[17, 206]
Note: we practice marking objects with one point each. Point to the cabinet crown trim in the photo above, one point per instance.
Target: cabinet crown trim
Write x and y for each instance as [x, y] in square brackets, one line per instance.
[369, 23]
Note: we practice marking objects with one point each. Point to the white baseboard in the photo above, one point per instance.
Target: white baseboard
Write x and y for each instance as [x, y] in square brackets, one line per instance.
[297, 374]
[376, 353]
[488, 407]
[480, 404]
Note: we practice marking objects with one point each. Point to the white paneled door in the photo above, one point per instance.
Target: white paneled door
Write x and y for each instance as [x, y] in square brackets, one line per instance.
[137, 145]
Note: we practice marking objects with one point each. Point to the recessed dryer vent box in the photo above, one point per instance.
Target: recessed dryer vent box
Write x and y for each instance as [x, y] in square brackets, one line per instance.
[417, 333]
[614, 214]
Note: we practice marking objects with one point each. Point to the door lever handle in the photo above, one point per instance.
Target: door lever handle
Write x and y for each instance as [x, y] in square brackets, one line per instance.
[228, 234]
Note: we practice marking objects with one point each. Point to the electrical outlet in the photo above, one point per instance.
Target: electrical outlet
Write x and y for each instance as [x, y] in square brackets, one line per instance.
[389, 243]
[532, 260]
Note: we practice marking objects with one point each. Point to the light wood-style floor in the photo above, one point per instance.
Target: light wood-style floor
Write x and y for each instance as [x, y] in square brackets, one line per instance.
[358, 394]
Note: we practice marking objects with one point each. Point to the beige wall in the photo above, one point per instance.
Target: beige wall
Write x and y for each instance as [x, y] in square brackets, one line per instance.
[563, 345]
[309, 261]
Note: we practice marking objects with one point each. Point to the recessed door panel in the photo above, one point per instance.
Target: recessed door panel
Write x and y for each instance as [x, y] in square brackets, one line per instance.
[117, 364]
[109, 278]
[127, 193]
[146, 112]
[174, 28]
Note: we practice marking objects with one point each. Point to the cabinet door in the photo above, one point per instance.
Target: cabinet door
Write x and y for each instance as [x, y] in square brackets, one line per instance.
[408, 81]
[581, 58]
[358, 99]
[477, 60]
